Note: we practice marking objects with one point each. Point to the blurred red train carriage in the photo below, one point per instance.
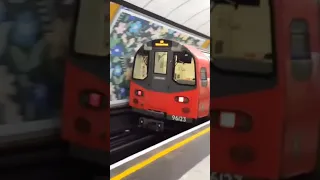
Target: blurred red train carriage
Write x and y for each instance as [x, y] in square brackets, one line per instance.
[86, 112]
[265, 96]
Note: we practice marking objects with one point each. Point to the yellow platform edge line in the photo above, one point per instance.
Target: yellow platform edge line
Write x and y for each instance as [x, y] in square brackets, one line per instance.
[153, 158]
[205, 45]
[114, 7]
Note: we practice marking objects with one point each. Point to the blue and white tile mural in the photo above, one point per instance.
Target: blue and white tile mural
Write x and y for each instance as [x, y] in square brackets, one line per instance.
[33, 45]
[128, 32]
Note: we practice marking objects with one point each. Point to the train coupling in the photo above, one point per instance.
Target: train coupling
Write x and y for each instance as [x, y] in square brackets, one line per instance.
[151, 124]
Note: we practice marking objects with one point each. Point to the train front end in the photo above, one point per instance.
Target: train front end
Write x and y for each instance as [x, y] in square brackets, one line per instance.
[85, 118]
[163, 87]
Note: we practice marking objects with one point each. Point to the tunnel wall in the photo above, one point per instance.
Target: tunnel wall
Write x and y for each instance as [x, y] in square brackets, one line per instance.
[128, 31]
[33, 46]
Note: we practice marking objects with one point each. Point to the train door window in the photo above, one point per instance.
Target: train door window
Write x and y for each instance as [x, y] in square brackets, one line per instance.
[140, 67]
[218, 48]
[160, 62]
[300, 47]
[92, 29]
[204, 78]
[184, 71]
[241, 33]
[301, 65]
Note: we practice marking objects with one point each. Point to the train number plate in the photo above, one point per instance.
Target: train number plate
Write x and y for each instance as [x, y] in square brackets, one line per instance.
[179, 118]
[225, 176]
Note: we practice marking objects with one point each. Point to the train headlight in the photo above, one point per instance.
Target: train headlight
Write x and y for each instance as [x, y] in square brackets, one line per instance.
[139, 93]
[181, 99]
[135, 101]
[185, 110]
[227, 119]
[82, 125]
[242, 154]
[93, 99]
[238, 121]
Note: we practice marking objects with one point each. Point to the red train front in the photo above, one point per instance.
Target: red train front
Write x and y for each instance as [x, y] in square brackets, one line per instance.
[169, 84]
[86, 112]
[265, 79]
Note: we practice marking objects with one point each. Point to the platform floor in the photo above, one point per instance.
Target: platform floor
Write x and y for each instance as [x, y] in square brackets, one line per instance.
[199, 171]
[190, 161]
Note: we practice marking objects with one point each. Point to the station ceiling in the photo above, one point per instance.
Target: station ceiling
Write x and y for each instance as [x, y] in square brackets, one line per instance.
[194, 14]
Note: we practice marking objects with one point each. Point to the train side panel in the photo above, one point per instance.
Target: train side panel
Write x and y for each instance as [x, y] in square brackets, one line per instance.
[80, 125]
[301, 18]
[203, 89]
[203, 81]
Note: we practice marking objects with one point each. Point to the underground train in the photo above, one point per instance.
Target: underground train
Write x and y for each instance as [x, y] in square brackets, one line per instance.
[170, 84]
[86, 103]
[265, 74]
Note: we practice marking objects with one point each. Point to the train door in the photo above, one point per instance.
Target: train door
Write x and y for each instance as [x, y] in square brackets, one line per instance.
[85, 109]
[204, 87]
[161, 69]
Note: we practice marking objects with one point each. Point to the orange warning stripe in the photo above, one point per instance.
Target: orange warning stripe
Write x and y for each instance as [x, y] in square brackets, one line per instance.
[205, 45]
[114, 7]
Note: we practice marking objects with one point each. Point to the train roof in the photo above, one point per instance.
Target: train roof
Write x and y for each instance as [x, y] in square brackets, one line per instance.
[196, 52]
[207, 54]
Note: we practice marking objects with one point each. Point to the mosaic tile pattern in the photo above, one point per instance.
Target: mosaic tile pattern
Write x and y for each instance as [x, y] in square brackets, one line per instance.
[33, 44]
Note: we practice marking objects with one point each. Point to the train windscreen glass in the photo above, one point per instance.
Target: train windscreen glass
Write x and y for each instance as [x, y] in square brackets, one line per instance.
[160, 62]
[184, 69]
[140, 69]
[92, 27]
[241, 35]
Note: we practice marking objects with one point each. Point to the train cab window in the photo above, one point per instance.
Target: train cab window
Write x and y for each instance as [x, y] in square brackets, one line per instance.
[300, 48]
[241, 33]
[184, 70]
[160, 62]
[92, 28]
[301, 65]
[140, 68]
[204, 77]
[218, 48]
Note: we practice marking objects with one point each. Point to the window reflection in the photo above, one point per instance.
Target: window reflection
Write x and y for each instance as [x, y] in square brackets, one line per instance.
[160, 62]
[184, 73]
[140, 70]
